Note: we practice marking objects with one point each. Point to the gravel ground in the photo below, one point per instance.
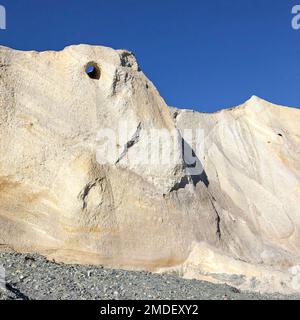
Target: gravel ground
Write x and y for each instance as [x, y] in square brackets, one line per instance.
[31, 277]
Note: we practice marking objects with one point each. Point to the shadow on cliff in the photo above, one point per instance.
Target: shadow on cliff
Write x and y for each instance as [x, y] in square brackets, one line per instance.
[194, 171]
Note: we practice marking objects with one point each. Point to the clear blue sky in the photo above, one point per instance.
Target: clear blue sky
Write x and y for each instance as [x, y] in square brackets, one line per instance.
[200, 54]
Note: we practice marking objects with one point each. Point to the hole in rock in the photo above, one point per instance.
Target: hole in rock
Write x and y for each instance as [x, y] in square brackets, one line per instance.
[93, 70]
[279, 134]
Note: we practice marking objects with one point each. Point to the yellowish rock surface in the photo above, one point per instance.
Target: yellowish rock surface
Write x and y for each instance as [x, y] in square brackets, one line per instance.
[236, 220]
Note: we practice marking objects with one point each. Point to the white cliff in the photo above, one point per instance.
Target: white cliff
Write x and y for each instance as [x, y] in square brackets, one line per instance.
[74, 192]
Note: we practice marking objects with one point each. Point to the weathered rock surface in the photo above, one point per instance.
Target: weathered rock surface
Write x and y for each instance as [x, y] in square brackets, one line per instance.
[235, 221]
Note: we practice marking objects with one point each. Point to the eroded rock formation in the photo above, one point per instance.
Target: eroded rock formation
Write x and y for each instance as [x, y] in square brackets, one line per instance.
[236, 220]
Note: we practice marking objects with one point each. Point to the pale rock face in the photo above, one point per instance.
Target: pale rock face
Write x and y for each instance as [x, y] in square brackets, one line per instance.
[238, 218]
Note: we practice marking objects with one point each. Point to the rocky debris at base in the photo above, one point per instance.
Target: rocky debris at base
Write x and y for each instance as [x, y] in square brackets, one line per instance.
[31, 277]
